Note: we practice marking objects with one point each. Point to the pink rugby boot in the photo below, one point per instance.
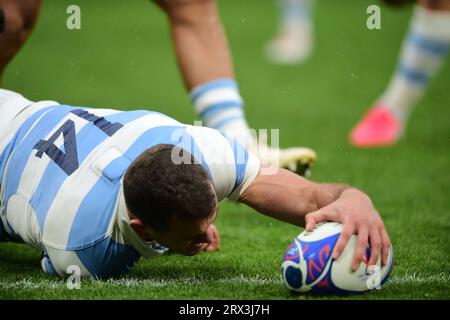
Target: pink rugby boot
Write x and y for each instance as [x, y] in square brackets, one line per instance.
[378, 128]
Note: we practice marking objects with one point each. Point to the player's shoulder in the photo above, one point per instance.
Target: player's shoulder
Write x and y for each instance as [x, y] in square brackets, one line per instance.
[209, 138]
[108, 258]
[104, 259]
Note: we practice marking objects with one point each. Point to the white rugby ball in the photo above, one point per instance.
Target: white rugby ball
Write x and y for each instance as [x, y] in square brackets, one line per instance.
[308, 265]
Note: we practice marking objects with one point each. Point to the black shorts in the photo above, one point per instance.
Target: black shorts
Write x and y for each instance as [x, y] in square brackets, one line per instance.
[2, 20]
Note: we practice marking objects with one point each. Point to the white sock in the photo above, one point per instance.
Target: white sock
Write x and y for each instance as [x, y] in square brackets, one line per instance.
[424, 50]
[221, 107]
[295, 15]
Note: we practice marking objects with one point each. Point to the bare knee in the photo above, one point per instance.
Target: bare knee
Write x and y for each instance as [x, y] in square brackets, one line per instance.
[439, 5]
[11, 38]
[19, 17]
[189, 12]
[14, 25]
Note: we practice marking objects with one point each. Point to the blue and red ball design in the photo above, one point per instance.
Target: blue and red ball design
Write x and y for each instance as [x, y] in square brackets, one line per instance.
[316, 256]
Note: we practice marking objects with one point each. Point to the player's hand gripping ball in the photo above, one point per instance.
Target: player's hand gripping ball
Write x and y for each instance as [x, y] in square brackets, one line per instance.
[308, 265]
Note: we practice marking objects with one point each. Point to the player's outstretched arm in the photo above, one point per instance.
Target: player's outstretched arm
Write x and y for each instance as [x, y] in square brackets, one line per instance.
[291, 198]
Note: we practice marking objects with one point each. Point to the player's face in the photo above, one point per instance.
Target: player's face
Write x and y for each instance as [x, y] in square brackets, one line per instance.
[187, 236]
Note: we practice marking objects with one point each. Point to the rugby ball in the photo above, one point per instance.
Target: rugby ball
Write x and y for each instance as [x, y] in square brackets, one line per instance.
[308, 265]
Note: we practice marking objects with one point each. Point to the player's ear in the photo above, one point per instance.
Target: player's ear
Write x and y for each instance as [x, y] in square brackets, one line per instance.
[139, 228]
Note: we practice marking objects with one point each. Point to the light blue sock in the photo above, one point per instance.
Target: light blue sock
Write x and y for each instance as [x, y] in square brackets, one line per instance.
[220, 106]
[295, 13]
[424, 51]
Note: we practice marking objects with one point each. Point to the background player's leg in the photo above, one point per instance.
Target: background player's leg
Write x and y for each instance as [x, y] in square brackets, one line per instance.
[206, 65]
[199, 40]
[424, 50]
[294, 40]
[17, 22]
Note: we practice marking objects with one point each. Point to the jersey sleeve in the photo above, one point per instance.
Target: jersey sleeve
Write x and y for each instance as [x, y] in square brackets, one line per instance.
[231, 167]
[105, 259]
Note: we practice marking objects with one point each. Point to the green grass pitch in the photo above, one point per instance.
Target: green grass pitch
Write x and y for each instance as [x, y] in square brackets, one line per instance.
[122, 58]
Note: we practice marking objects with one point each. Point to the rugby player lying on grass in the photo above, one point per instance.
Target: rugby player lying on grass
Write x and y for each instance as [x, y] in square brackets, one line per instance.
[98, 188]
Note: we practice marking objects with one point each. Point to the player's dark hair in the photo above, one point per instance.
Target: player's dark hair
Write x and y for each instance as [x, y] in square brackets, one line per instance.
[157, 189]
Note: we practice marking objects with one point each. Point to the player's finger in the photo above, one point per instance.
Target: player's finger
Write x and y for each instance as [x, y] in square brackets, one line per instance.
[346, 233]
[310, 222]
[361, 246]
[375, 246]
[386, 244]
[313, 218]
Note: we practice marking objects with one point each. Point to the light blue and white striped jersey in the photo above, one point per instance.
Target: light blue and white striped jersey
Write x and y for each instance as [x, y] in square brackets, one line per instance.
[61, 181]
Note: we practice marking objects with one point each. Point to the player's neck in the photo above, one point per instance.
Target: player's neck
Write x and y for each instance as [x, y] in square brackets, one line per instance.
[142, 232]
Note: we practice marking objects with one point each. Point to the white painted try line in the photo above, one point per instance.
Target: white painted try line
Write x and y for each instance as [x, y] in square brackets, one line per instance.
[239, 280]
[29, 284]
[418, 279]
